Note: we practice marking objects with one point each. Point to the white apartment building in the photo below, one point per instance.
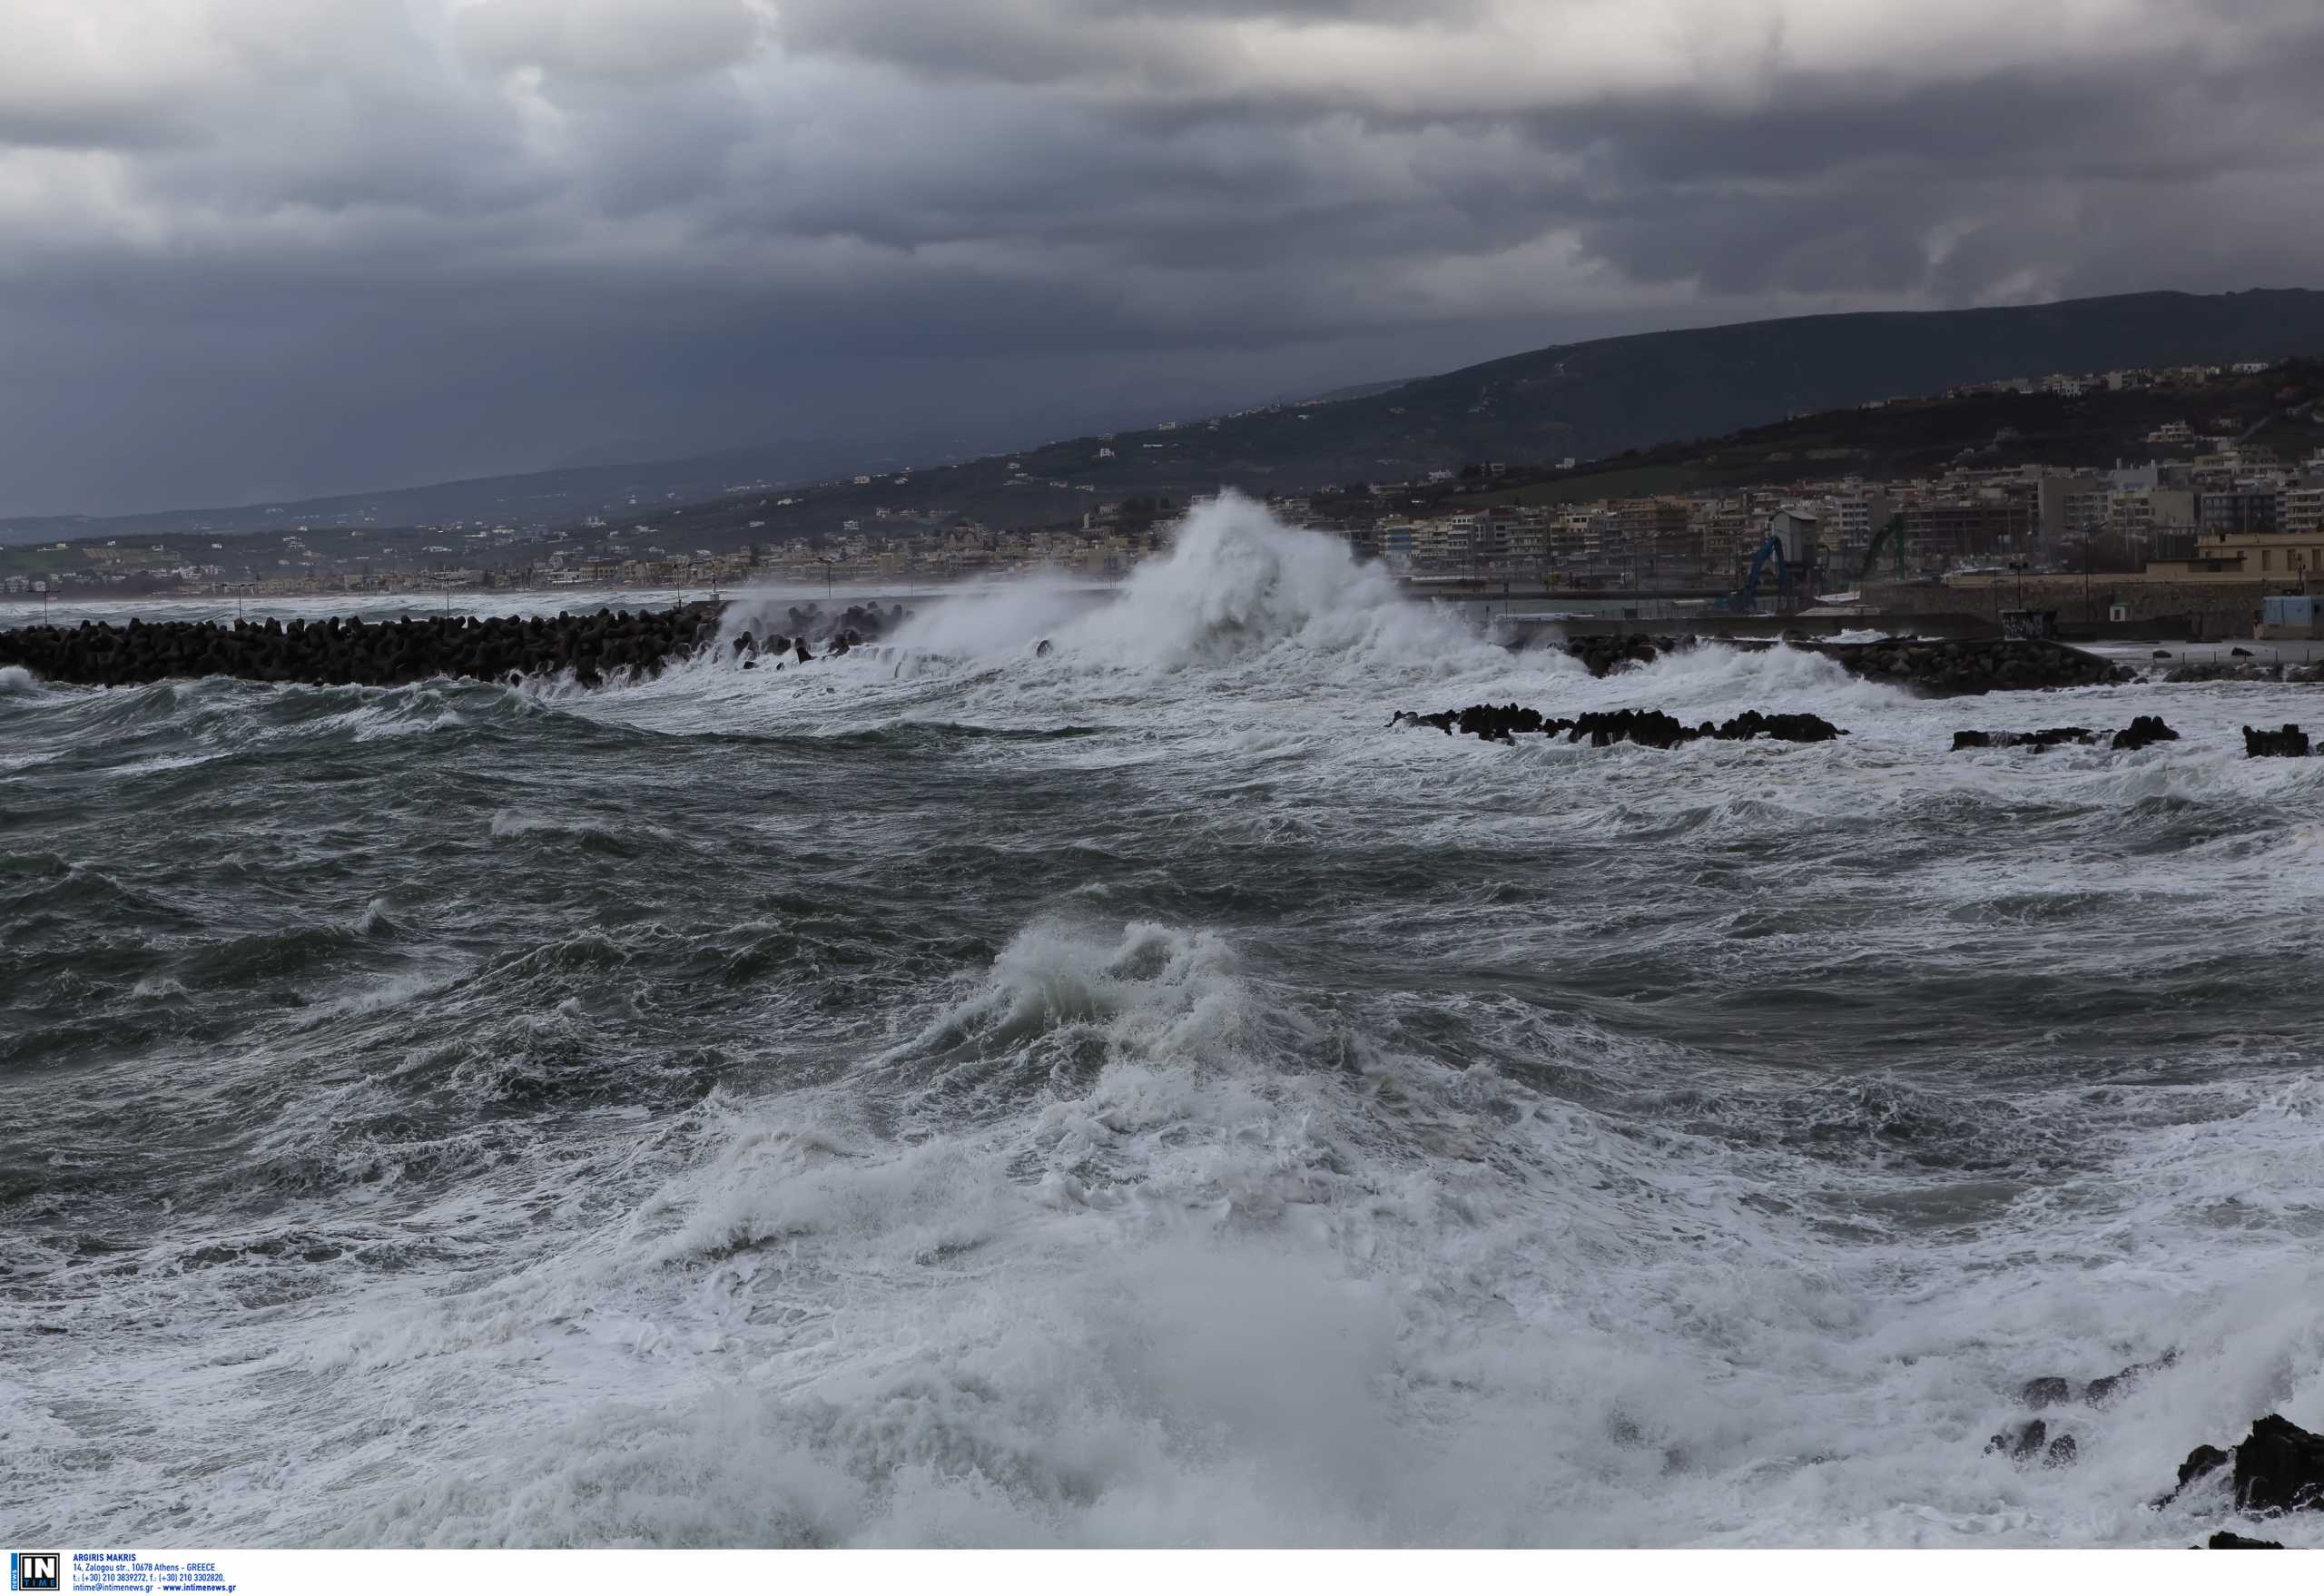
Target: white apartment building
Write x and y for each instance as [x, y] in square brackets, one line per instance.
[2300, 508]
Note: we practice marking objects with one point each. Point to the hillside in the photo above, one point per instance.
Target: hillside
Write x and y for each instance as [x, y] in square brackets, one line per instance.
[1588, 400]
[1538, 407]
[1923, 437]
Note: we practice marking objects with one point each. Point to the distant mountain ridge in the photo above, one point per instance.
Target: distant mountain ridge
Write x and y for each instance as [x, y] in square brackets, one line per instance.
[1588, 399]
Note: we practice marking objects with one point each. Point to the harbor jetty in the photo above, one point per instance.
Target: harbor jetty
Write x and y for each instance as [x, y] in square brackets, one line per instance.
[1932, 666]
[381, 653]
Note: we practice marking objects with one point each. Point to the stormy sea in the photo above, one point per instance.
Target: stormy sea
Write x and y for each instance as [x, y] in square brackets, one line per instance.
[1127, 1094]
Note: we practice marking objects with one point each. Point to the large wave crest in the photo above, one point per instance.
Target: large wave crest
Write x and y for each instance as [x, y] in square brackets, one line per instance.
[1235, 585]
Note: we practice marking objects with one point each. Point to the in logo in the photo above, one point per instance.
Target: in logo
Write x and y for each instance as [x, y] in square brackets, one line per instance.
[34, 1571]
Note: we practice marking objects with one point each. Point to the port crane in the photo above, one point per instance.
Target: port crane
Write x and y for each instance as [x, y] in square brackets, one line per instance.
[1743, 601]
[1892, 535]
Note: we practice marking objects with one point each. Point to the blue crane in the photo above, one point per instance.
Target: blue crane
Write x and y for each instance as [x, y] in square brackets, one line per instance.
[1771, 549]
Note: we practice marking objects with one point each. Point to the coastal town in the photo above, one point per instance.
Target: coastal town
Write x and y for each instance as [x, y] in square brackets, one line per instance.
[2206, 507]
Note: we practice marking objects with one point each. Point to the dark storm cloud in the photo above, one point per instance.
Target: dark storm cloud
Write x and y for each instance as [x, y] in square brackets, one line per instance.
[256, 248]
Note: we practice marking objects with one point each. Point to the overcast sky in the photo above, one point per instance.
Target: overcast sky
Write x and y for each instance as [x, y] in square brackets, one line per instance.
[257, 248]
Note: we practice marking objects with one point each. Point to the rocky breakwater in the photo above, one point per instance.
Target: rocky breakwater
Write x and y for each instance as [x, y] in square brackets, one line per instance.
[384, 654]
[1933, 666]
[1941, 667]
[1505, 723]
[854, 627]
[2241, 667]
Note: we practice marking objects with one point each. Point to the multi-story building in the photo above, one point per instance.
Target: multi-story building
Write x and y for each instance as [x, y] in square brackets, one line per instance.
[2072, 506]
[1728, 530]
[1851, 517]
[1653, 538]
[1578, 538]
[2147, 511]
[1953, 528]
[2301, 507]
[1442, 542]
[1528, 536]
[2243, 508]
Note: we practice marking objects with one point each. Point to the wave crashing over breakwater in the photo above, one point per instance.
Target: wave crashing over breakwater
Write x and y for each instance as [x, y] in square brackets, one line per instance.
[957, 1094]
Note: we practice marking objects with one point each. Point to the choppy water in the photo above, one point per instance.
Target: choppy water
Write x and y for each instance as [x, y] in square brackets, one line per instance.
[1130, 1097]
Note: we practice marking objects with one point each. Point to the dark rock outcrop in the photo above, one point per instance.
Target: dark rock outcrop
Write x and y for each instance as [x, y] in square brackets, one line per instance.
[2032, 1440]
[1504, 723]
[2279, 1467]
[2144, 730]
[2056, 1389]
[384, 654]
[2048, 1391]
[1603, 655]
[1648, 727]
[2040, 742]
[2291, 743]
[1787, 728]
[2227, 1541]
[2200, 1463]
[1495, 723]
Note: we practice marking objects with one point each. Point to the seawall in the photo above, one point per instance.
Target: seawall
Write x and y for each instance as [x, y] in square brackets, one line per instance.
[2196, 611]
